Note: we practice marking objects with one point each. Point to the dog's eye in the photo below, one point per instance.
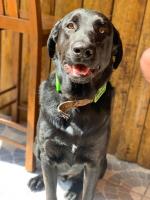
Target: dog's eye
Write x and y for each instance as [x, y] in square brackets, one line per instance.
[103, 30]
[71, 26]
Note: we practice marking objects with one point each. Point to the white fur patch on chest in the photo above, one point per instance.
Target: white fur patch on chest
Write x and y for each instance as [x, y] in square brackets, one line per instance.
[74, 148]
[69, 130]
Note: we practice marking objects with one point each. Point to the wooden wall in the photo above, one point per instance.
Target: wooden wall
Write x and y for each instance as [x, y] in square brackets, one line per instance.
[130, 139]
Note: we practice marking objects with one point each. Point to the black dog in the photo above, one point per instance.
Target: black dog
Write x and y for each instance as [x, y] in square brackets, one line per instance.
[85, 48]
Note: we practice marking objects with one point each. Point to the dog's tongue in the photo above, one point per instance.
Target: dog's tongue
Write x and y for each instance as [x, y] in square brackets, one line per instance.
[79, 69]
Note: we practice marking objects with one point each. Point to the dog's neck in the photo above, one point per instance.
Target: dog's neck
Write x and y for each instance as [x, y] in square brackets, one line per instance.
[71, 90]
[75, 95]
[77, 91]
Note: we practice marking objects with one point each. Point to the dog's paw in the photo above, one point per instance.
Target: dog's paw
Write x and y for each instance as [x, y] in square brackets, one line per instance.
[71, 196]
[61, 121]
[36, 184]
[64, 115]
[74, 192]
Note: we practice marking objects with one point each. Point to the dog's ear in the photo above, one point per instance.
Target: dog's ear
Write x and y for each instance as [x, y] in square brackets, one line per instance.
[52, 39]
[117, 49]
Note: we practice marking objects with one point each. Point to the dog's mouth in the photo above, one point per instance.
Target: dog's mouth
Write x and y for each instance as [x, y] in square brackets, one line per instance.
[78, 70]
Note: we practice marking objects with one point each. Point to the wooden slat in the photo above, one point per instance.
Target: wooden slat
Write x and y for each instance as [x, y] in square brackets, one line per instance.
[12, 142]
[6, 79]
[14, 24]
[25, 63]
[48, 22]
[24, 74]
[104, 6]
[144, 147]
[12, 8]
[128, 18]
[1, 7]
[33, 99]
[138, 102]
[48, 7]
[7, 58]
[22, 108]
[7, 104]
[7, 90]
[35, 18]
[16, 63]
[13, 125]
[62, 8]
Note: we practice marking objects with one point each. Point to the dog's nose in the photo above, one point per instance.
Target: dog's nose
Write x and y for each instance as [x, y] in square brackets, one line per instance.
[81, 50]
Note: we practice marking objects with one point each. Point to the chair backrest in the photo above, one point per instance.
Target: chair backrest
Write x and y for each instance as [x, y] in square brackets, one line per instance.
[13, 19]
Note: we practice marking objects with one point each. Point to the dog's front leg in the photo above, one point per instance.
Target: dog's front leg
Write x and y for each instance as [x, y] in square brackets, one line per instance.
[50, 180]
[91, 175]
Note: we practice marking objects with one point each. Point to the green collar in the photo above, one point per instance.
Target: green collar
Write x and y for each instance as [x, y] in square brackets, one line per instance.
[57, 84]
[98, 95]
[100, 92]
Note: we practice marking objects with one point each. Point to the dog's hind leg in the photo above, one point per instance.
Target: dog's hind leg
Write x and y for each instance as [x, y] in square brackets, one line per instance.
[36, 184]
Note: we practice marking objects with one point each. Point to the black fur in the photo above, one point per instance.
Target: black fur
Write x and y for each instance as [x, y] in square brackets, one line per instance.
[81, 140]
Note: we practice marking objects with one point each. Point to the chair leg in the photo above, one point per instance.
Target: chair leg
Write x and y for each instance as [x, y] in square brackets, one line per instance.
[17, 57]
[32, 115]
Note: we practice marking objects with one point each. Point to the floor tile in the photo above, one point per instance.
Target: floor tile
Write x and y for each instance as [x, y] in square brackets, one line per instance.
[109, 191]
[133, 177]
[147, 194]
[146, 198]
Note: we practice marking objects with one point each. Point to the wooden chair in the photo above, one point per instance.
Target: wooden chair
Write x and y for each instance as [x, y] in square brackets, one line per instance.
[38, 34]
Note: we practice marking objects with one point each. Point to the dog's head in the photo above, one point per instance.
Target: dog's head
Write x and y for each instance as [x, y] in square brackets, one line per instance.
[84, 43]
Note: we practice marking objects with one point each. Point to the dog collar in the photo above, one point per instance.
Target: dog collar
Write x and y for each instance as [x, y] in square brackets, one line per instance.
[64, 107]
[98, 95]
[100, 92]
[57, 84]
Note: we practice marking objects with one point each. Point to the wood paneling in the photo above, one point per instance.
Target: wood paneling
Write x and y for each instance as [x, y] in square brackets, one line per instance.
[104, 6]
[63, 7]
[12, 8]
[1, 7]
[48, 6]
[6, 79]
[137, 103]
[128, 18]
[144, 147]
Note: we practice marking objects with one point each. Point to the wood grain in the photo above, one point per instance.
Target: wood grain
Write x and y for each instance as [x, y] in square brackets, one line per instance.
[143, 154]
[104, 6]
[137, 103]
[128, 19]
[6, 79]
[1, 6]
[144, 147]
[63, 7]
[12, 8]
[48, 6]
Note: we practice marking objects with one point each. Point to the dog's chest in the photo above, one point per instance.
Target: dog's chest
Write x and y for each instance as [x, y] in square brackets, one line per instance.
[75, 145]
[71, 152]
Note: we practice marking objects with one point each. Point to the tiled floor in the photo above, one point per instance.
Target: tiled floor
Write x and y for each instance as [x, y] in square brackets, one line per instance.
[122, 181]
